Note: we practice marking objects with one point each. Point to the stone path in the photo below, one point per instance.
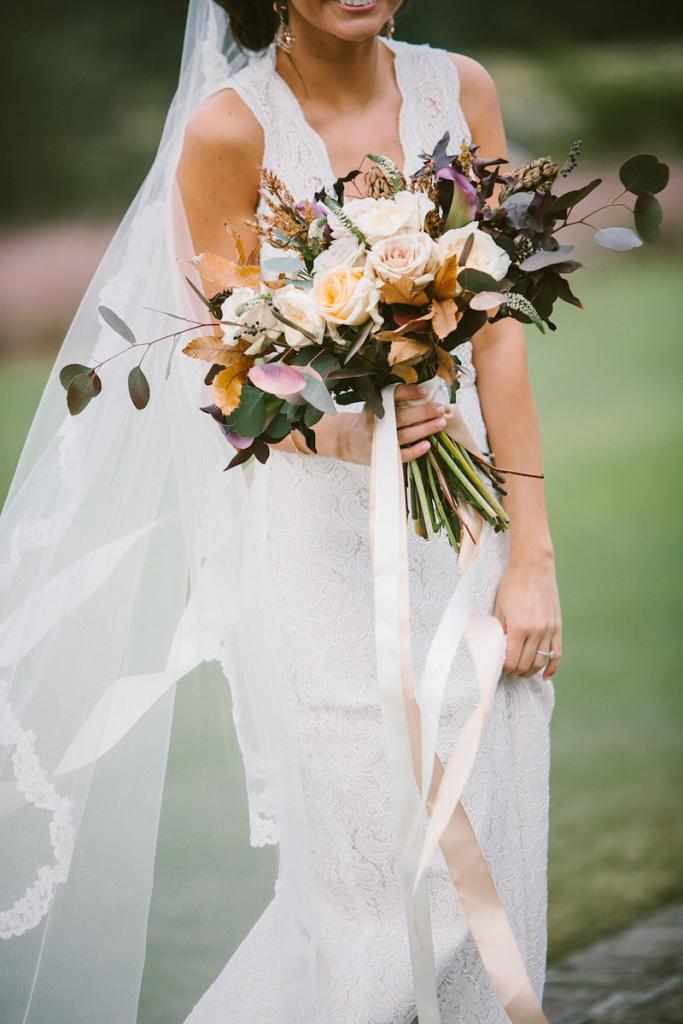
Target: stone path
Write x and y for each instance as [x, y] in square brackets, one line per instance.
[635, 977]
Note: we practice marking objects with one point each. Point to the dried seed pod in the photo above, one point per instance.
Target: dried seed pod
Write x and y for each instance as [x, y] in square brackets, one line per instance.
[377, 184]
[536, 176]
[572, 159]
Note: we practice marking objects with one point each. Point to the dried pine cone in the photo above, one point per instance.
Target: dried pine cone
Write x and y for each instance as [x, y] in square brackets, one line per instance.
[536, 176]
[377, 184]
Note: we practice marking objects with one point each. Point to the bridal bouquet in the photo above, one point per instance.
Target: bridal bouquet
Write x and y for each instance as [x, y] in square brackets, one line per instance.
[380, 288]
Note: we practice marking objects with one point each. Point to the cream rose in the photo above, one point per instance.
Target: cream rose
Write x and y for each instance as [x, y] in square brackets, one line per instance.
[346, 295]
[485, 255]
[381, 218]
[298, 305]
[411, 254]
[345, 251]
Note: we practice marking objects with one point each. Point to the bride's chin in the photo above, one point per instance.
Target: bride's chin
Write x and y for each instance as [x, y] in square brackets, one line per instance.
[355, 21]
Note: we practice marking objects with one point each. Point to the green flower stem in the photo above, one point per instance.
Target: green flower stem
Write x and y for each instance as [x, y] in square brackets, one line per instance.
[424, 502]
[473, 478]
[480, 500]
[414, 506]
[439, 504]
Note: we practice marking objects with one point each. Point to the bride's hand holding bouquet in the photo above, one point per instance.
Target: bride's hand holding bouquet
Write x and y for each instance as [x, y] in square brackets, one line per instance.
[380, 290]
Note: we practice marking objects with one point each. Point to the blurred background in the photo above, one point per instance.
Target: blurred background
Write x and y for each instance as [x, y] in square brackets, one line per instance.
[85, 89]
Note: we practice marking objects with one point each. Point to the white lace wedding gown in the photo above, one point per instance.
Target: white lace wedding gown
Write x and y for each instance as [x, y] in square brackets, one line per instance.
[319, 547]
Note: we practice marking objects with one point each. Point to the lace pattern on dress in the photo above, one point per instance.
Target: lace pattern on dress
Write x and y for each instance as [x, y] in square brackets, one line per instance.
[33, 783]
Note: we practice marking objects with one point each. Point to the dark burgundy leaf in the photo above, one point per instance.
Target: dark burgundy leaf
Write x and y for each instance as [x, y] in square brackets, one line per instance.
[561, 204]
[67, 373]
[644, 173]
[81, 390]
[138, 387]
[648, 217]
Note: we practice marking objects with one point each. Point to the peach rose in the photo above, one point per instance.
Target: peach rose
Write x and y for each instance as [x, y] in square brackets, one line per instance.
[346, 295]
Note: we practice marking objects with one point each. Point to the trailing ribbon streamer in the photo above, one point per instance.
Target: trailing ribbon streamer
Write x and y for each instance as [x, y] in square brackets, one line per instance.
[411, 740]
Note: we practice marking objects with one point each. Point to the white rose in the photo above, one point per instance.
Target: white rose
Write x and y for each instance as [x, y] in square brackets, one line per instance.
[255, 321]
[485, 255]
[345, 251]
[298, 305]
[380, 218]
[346, 295]
[411, 254]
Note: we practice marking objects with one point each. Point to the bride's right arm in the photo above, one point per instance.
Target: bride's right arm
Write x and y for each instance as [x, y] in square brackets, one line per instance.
[218, 176]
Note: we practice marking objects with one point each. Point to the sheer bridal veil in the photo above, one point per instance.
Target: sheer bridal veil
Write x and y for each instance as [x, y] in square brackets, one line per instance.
[129, 561]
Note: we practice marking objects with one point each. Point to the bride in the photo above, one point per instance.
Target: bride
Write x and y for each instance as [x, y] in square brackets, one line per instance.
[131, 562]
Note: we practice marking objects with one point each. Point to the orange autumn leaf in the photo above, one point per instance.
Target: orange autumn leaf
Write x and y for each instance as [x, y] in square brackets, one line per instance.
[406, 350]
[446, 367]
[408, 374]
[225, 274]
[238, 243]
[446, 316]
[403, 292]
[213, 350]
[227, 385]
[446, 279]
[398, 332]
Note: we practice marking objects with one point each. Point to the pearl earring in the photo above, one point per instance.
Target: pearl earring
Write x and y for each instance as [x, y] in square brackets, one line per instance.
[389, 27]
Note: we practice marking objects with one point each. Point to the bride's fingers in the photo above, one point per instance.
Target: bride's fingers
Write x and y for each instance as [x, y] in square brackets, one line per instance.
[539, 660]
[515, 642]
[529, 661]
[408, 435]
[554, 663]
[408, 393]
[414, 451]
[405, 417]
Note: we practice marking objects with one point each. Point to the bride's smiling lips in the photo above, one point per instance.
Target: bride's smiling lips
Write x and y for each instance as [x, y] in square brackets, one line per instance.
[356, 5]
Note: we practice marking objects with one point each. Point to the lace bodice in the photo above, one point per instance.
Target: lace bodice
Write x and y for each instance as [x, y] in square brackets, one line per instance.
[317, 548]
[429, 85]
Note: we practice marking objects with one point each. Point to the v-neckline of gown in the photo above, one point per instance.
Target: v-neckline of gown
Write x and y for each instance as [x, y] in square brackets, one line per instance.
[315, 136]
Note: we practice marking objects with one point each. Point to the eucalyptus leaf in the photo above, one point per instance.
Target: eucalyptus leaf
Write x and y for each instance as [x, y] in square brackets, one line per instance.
[279, 426]
[359, 342]
[517, 206]
[312, 415]
[563, 203]
[114, 321]
[477, 281]
[138, 387]
[546, 258]
[82, 389]
[620, 239]
[368, 393]
[284, 264]
[67, 373]
[317, 395]
[647, 213]
[644, 173]
[249, 418]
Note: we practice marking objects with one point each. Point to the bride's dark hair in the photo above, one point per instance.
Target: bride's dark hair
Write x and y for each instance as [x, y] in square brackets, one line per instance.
[253, 22]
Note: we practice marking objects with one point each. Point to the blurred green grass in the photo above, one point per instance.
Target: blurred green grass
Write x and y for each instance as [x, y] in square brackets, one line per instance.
[607, 385]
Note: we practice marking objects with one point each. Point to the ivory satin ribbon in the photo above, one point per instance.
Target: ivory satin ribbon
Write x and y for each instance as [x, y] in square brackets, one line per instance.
[411, 732]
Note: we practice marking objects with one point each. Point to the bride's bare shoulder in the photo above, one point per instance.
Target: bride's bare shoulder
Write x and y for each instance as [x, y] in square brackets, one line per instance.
[219, 172]
[224, 123]
[479, 102]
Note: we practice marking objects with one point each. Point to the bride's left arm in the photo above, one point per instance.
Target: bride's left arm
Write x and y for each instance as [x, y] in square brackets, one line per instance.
[527, 602]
